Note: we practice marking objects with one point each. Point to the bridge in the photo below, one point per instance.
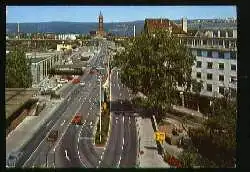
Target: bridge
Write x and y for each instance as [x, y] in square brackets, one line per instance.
[69, 69]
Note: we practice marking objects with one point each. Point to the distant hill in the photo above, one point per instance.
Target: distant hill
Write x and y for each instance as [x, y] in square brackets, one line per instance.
[119, 28]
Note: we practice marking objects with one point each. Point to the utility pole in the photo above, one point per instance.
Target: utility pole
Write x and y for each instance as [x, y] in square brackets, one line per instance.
[18, 37]
[134, 31]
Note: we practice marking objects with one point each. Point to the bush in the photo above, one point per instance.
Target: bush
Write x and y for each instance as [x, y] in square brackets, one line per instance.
[105, 127]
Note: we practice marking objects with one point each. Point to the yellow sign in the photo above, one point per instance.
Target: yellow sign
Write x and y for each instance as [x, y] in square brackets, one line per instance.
[159, 136]
[105, 105]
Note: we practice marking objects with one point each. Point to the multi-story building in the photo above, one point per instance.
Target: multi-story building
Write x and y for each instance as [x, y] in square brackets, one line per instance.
[216, 62]
[215, 52]
[66, 36]
[41, 63]
[152, 24]
[61, 47]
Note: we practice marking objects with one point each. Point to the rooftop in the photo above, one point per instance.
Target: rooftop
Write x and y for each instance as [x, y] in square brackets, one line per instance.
[15, 98]
[36, 60]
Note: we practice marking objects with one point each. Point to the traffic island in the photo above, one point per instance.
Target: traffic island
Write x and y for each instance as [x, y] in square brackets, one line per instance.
[104, 129]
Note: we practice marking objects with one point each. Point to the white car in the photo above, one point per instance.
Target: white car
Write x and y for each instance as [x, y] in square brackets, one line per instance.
[82, 83]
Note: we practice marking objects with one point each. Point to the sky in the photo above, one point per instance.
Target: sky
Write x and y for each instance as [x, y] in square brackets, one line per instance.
[25, 14]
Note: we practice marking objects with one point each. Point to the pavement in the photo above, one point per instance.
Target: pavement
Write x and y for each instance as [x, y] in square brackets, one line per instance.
[150, 158]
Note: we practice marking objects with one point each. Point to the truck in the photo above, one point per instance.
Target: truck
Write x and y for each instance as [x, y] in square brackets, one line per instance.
[77, 120]
[53, 135]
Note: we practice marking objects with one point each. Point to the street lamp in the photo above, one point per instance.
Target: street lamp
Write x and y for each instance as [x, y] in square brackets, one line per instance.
[100, 118]
[182, 98]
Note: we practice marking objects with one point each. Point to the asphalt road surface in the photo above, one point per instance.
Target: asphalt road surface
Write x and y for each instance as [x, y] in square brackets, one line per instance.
[37, 155]
[122, 146]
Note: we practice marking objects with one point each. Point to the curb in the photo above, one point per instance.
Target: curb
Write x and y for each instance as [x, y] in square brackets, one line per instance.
[138, 141]
[110, 121]
[95, 129]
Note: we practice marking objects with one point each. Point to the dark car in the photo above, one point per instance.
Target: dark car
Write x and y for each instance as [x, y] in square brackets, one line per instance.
[53, 135]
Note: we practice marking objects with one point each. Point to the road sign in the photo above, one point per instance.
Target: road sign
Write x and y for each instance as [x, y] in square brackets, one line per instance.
[159, 136]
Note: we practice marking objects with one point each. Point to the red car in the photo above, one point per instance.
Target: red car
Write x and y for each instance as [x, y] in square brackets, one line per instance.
[76, 81]
[77, 119]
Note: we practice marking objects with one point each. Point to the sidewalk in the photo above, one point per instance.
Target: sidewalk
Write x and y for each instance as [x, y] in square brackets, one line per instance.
[150, 158]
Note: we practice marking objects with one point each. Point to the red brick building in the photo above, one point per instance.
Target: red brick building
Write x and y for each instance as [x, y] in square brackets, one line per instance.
[152, 24]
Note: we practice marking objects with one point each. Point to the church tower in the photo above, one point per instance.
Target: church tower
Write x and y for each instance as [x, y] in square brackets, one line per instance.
[100, 26]
[100, 30]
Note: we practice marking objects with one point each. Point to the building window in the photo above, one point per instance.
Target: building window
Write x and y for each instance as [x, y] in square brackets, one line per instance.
[221, 55]
[204, 53]
[209, 54]
[221, 66]
[215, 54]
[233, 79]
[230, 34]
[198, 52]
[209, 87]
[226, 44]
[194, 52]
[233, 92]
[204, 42]
[198, 74]
[221, 90]
[227, 55]
[233, 67]
[209, 65]
[209, 76]
[198, 65]
[233, 55]
[220, 42]
[221, 77]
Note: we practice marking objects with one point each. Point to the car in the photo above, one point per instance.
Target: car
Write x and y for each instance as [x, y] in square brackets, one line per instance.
[77, 119]
[82, 83]
[53, 135]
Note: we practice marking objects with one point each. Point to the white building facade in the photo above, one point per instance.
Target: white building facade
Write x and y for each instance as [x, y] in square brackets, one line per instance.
[216, 63]
[41, 63]
[67, 36]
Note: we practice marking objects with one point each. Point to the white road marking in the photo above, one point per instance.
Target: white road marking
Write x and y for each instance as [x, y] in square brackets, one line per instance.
[62, 122]
[66, 154]
[48, 124]
[122, 141]
[123, 119]
[119, 161]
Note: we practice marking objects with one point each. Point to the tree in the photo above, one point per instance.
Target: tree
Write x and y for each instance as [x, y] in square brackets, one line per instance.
[153, 64]
[218, 133]
[18, 69]
[197, 86]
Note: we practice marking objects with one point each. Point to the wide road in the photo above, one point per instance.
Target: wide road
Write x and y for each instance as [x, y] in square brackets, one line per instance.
[121, 150]
[37, 155]
[76, 148]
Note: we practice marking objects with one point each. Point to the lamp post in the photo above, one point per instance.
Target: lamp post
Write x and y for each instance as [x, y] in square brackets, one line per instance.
[182, 98]
[100, 127]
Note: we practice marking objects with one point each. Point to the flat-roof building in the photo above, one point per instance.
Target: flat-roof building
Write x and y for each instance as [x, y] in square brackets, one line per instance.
[41, 63]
